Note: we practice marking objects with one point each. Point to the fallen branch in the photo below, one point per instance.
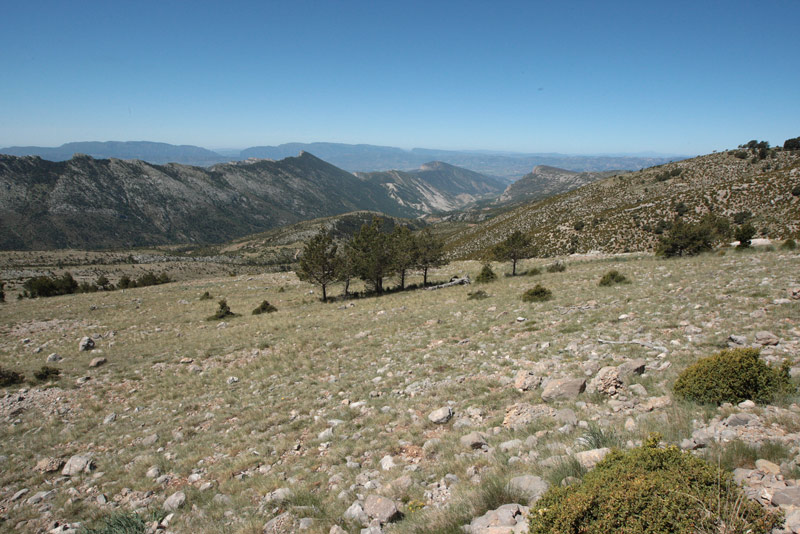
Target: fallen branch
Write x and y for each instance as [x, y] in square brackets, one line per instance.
[456, 282]
[634, 342]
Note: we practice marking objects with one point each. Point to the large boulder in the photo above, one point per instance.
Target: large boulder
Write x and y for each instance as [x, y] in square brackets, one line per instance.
[80, 463]
[526, 380]
[632, 367]
[563, 389]
[175, 501]
[86, 343]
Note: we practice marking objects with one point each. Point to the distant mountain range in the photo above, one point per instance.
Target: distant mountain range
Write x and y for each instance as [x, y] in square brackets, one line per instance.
[354, 158]
[111, 203]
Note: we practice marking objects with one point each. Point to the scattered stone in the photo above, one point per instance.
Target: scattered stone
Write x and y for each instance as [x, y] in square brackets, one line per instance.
[80, 463]
[508, 519]
[526, 380]
[765, 466]
[474, 440]
[589, 459]
[175, 501]
[110, 418]
[607, 382]
[523, 414]
[39, 497]
[767, 338]
[381, 508]
[233, 380]
[387, 463]
[86, 343]
[54, 358]
[441, 416]
[150, 440]
[737, 340]
[49, 465]
[563, 389]
[97, 362]
[747, 404]
[631, 367]
[356, 514]
[153, 472]
[18, 495]
[326, 434]
[529, 486]
[279, 495]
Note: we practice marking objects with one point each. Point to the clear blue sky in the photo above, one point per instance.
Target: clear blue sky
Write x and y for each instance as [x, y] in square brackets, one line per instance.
[577, 77]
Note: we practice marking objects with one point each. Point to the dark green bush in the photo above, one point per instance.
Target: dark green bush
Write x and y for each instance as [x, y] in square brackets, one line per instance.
[206, 296]
[2, 291]
[46, 286]
[613, 277]
[537, 294]
[223, 312]
[264, 307]
[557, 267]
[9, 377]
[579, 225]
[741, 217]
[477, 295]
[732, 376]
[534, 271]
[686, 239]
[46, 373]
[486, 275]
[796, 191]
[651, 489]
[744, 234]
[789, 244]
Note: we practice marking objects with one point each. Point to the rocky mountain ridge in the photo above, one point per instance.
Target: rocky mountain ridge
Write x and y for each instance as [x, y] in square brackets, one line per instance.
[544, 181]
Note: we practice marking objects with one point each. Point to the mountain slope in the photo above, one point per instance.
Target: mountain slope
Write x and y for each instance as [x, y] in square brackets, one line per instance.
[545, 181]
[90, 203]
[143, 150]
[434, 187]
[627, 212]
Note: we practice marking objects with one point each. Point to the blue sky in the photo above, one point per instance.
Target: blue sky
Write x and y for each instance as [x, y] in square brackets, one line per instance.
[570, 77]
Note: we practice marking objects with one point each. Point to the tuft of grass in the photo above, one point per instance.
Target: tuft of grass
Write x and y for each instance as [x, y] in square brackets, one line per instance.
[477, 295]
[568, 467]
[597, 437]
[557, 267]
[737, 453]
[118, 523]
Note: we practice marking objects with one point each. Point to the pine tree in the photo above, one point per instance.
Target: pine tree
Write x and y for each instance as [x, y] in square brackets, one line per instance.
[318, 262]
[404, 251]
[371, 253]
[514, 248]
[430, 253]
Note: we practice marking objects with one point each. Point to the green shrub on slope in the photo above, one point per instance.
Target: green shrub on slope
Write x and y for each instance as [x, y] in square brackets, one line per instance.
[732, 376]
[651, 489]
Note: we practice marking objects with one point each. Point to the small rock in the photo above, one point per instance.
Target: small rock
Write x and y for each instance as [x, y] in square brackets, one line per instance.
[563, 389]
[153, 472]
[54, 358]
[356, 514]
[233, 380]
[110, 418]
[589, 459]
[441, 416]
[86, 343]
[765, 466]
[767, 338]
[737, 340]
[387, 463]
[747, 404]
[529, 486]
[97, 362]
[631, 367]
[150, 440]
[381, 508]
[474, 440]
[279, 495]
[282, 524]
[80, 463]
[49, 465]
[526, 380]
[175, 501]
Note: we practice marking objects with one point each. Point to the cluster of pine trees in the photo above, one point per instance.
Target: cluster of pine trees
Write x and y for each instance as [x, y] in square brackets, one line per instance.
[371, 255]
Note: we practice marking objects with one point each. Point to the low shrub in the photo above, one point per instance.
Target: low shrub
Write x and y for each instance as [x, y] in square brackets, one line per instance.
[264, 307]
[557, 267]
[486, 275]
[46, 373]
[538, 293]
[651, 489]
[744, 234]
[206, 296]
[46, 286]
[2, 291]
[533, 271]
[223, 312]
[789, 244]
[9, 377]
[732, 376]
[613, 277]
[796, 191]
[477, 295]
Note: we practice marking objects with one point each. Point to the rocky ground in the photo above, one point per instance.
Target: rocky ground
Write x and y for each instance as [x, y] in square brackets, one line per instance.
[423, 411]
